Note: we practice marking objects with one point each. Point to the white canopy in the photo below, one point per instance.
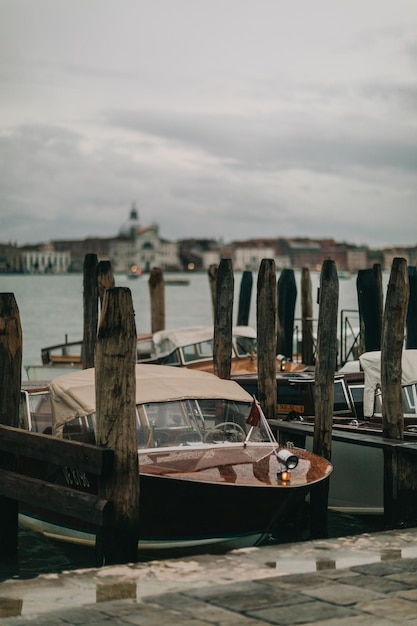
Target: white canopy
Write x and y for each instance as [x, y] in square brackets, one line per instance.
[371, 365]
[74, 394]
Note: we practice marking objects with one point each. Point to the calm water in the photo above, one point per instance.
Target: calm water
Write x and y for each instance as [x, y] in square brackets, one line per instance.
[51, 307]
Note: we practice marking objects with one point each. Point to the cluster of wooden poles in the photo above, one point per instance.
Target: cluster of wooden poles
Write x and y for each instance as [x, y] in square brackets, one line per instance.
[110, 342]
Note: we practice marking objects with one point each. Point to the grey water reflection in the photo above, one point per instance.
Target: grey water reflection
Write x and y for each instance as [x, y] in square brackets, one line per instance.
[292, 562]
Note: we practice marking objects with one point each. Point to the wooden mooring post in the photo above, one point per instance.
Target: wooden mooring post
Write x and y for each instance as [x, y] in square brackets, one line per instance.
[157, 297]
[307, 354]
[212, 273]
[245, 296]
[90, 302]
[411, 321]
[368, 284]
[266, 329]
[400, 467]
[287, 297]
[326, 357]
[115, 380]
[10, 383]
[223, 320]
[105, 279]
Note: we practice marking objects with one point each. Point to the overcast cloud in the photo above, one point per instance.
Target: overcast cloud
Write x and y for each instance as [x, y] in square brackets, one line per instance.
[219, 118]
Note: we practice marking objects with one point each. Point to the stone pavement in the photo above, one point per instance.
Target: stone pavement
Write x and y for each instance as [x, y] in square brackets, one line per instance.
[369, 579]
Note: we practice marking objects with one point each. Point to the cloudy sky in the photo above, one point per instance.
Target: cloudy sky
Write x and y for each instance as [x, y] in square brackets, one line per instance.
[219, 118]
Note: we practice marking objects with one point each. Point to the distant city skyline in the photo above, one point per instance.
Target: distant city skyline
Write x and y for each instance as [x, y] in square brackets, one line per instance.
[226, 120]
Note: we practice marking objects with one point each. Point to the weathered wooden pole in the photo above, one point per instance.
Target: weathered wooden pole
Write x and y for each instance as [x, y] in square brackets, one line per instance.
[212, 272]
[245, 296]
[223, 320]
[400, 470]
[115, 380]
[266, 329]
[105, 279]
[157, 297]
[287, 296]
[90, 299]
[326, 357]
[10, 384]
[307, 356]
[391, 351]
[369, 304]
[380, 290]
[411, 323]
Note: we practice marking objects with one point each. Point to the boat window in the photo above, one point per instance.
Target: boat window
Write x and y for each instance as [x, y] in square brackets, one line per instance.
[165, 414]
[171, 359]
[378, 402]
[341, 401]
[295, 393]
[196, 351]
[24, 412]
[217, 411]
[245, 346]
[80, 429]
[409, 396]
[40, 412]
[357, 397]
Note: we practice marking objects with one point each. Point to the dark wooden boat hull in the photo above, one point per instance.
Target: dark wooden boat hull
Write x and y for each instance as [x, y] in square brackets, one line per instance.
[177, 513]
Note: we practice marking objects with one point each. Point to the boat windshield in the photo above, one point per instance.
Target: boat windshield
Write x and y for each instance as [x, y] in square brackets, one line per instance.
[186, 421]
[245, 346]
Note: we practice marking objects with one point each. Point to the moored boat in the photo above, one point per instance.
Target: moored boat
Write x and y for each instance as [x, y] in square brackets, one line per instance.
[210, 471]
[357, 411]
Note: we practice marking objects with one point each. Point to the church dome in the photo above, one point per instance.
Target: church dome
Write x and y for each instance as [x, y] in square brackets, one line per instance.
[132, 224]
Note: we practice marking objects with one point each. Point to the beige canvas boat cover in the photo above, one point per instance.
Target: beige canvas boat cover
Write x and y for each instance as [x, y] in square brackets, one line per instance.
[371, 365]
[74, 395]
[166, 341]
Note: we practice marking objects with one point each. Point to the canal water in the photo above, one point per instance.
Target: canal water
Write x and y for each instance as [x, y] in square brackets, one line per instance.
[51, 308]
[40, 555]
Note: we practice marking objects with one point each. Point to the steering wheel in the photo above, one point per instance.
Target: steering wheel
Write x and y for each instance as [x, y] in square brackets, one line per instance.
[225, 431]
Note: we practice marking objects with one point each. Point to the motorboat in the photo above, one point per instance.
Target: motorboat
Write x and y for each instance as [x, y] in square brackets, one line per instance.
[193, 347]
[190, 347]
[211, 474]
[357, 412]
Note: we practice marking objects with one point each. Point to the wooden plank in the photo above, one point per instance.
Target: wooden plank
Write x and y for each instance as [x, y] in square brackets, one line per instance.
[83, 456]
[69, 502]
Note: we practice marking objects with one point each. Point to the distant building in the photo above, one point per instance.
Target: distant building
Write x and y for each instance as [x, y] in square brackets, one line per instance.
[356, 259]
[44, 259]
[142, 247]
[10, 259]
[248, 255]
[199, 254]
